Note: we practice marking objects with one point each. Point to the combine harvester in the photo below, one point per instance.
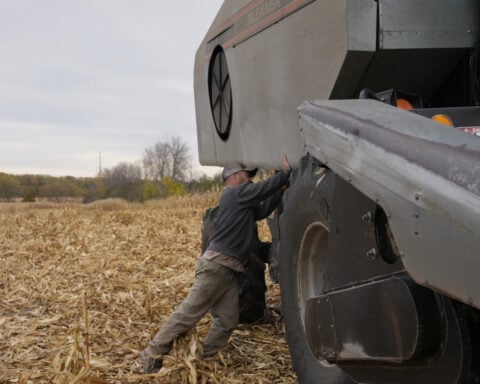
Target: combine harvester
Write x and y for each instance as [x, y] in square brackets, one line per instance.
[377, 243]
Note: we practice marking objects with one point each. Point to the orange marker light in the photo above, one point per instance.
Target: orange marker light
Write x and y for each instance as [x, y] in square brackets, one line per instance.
[443, 119]
[404, 104]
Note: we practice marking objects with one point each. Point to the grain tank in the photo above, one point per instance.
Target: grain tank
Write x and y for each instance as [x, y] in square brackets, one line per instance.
[377, 240]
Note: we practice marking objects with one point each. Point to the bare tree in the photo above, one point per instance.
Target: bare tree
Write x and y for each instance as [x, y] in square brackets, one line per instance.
[180, 158]
[156, 161]
[167, 158]
[122, 173]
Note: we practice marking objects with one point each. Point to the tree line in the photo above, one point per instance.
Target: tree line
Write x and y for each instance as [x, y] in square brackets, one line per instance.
[163, 171]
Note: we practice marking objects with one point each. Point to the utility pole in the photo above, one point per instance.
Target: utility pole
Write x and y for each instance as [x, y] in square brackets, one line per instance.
[99, 163]
[100, 187]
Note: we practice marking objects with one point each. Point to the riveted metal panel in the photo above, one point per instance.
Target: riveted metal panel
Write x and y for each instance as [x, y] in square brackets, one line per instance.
[427, 24]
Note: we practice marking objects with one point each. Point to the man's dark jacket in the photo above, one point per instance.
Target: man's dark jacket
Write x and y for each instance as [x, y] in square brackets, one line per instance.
[239, 208]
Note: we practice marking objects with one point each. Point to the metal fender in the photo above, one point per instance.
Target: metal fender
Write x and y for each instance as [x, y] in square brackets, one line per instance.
[426, 177]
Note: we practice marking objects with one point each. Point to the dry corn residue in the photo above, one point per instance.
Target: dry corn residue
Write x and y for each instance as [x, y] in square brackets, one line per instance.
[84, 288]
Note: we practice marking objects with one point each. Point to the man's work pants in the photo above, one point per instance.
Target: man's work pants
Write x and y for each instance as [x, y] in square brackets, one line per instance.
[215, 289]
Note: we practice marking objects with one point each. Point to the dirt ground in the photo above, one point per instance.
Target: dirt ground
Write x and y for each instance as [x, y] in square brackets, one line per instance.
[84, 288]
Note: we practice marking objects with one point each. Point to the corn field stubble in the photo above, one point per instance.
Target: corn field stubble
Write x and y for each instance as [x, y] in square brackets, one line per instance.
[84, 288]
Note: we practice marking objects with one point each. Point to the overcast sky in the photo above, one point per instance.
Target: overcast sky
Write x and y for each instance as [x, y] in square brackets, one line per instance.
[81, 77]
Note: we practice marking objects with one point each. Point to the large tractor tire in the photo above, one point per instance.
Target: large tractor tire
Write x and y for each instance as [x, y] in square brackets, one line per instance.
[304, 234]
[252, 282]
[305, 218]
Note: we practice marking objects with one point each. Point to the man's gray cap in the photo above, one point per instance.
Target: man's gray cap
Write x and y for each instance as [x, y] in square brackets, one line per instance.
[237, 167]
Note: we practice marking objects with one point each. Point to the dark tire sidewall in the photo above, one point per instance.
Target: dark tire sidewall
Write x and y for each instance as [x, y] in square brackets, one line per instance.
[305, 203]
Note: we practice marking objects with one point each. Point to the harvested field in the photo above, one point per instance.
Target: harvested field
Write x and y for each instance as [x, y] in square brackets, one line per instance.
[84, 288]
